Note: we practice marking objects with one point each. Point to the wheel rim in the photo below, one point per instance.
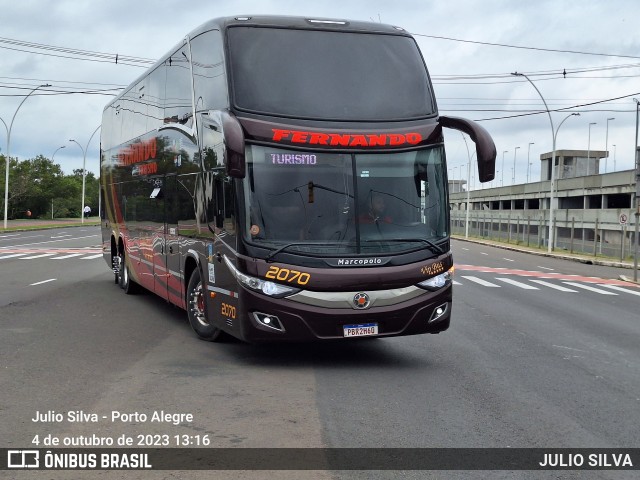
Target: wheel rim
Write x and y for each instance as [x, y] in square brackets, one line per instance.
[125, 275]
[197, 305]
[120, 269]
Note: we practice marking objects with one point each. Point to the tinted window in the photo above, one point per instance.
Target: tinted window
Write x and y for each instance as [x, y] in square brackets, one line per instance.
[328, 75]
[208, 72]
[177, 106]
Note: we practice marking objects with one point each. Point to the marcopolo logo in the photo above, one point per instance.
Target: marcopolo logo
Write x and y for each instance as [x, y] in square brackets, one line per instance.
[23, 459]
[359, 262]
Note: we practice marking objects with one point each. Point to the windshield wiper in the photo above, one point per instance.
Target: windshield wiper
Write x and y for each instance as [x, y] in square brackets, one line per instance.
[293, 244]
[432, 246]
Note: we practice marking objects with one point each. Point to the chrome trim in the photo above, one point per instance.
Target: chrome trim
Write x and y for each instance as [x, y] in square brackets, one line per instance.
[378, 298]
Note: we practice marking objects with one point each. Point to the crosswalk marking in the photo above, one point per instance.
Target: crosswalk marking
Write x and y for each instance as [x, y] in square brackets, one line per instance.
[43, 281]
[620, 289]
[590, 288]
[517, 284]
[37, 256]
[12, 255]
[480, 281]
[553, 285]
[92, 257]
[71, 255]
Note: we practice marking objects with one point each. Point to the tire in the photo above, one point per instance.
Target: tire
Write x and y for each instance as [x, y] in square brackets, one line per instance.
[195, 311]
[129, 286]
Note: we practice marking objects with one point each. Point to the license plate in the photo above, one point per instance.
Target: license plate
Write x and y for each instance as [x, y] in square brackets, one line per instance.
[362, 330]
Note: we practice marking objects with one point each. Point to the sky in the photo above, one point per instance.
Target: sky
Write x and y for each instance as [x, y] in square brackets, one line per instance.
[583, 56]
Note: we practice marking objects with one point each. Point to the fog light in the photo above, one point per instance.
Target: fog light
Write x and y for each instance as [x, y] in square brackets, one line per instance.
[269, 321]
[439, 312]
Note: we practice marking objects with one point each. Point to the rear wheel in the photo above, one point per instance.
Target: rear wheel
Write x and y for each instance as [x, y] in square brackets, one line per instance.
[195, 310]
[128, 285]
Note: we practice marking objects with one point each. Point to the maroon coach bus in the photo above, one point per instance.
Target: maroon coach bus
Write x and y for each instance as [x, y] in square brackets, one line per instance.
[284, 178]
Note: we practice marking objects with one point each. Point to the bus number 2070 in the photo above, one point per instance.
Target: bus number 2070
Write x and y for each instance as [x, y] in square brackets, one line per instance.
[286, 275]
[228, 310]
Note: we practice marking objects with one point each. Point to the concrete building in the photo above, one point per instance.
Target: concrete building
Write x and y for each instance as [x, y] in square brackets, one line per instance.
[594, 213]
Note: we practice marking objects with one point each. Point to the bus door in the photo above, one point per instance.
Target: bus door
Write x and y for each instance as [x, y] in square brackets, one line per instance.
[226, 286]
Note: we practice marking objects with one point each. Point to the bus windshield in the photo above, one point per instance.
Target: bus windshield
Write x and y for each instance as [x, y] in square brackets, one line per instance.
[327, 203]
[292, 73]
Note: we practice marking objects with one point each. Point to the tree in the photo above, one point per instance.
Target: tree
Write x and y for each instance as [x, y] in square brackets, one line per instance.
[40, 186]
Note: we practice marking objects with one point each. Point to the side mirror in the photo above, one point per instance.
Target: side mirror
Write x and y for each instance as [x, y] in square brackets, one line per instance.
[485, 148]
[234, 143]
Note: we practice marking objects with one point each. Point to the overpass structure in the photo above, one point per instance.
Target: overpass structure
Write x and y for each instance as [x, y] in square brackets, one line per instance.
[593, 213]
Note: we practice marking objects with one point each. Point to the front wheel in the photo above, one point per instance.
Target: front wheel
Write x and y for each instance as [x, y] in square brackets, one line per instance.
[195, 310]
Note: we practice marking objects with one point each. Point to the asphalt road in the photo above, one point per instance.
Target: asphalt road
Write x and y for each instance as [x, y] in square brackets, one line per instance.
[539, 354]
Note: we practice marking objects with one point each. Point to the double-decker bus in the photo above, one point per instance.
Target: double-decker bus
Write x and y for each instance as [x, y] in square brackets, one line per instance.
[284, 178]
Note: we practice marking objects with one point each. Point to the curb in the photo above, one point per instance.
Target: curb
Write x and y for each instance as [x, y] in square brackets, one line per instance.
[624, 278]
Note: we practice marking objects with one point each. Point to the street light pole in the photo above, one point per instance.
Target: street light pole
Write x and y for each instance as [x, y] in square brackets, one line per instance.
[466, 223]
[553, 160]
[589, 148]
[513, 175]
[528, 162]
[56, 151]
[614, 157]
[8, 156]
[84, 171]
[606, 145]
[637, 162]
[502, 177]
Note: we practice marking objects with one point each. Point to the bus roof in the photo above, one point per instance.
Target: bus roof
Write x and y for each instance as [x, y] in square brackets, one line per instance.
[310, 23]
[276, 21]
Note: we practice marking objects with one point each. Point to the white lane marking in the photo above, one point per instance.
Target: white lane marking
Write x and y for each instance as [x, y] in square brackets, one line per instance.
[92, 257]
[44, 281]
[620, 289]
[569, 348]
[67, 256]
[518, 284]
[456, 282]
[465, 249]
[508, 260]
[10, 235]
[37, 256]
[12, 255]
[553, 285]
[480, 281]
[482, 253]
[545, 268]
[61, 236]
[52, 241]
[591, 289]
[23, 236]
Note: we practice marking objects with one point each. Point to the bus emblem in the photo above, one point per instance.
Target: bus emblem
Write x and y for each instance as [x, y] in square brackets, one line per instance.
[361, 300]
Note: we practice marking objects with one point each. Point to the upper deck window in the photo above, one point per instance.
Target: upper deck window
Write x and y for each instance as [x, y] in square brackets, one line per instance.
[328, 75]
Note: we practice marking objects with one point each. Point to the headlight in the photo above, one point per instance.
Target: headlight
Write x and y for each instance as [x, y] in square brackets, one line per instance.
[268, 288]
[437, 282]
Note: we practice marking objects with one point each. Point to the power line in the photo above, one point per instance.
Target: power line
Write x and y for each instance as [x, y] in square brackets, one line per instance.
[74, 51]
[564, 109]
[540, 49]
[41, 81]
